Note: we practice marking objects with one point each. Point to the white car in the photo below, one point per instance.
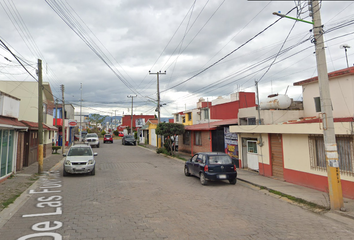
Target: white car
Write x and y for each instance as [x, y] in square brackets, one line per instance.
[92, 140]
[79, 159]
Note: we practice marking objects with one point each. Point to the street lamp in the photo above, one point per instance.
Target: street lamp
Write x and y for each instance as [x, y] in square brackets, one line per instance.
[345, 46]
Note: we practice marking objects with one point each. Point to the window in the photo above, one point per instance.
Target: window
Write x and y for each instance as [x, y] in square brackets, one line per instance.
[206, 113]
[187, 137]
[251, 121]
[198, 138]
[177, 118]
[251, 146]
[6, 151]
[183, 119]
[189, 116]
[345, 153]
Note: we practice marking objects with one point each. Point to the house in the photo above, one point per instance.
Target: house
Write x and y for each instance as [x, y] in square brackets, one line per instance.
[207, 126]
[27, 92]
[69, 117]
[11, 135]
[289, 144]
[138, 120]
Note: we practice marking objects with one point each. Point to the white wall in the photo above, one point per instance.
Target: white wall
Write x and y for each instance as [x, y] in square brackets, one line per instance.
[341, 90]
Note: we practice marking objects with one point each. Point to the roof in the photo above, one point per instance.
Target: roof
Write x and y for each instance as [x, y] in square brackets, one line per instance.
[318, 120]
[34, 125]
[331, 75]
[12, 123]
[153, 121]
[211, 125]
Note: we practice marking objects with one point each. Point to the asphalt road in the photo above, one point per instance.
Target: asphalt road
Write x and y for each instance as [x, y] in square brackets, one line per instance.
[137, 194]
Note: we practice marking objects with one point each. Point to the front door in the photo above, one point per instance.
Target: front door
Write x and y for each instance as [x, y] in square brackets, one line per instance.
[252, 155]
[276, 152]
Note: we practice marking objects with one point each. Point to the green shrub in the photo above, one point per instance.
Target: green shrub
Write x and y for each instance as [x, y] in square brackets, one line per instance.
[103, 132]
[116, 132]
[162, 150]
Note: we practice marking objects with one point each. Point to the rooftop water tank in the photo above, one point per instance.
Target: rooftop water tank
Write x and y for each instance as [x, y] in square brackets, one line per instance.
[277, 101]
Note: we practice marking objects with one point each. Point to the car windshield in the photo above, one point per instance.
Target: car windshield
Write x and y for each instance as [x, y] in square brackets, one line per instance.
[80, 151]
[129, 136]
[219, 160]
[91, 135]
[107, 136]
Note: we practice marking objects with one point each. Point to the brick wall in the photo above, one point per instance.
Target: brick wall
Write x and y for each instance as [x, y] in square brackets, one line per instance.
[205, 147]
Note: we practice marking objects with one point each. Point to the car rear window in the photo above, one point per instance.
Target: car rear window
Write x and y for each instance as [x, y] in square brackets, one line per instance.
[220, 160]
[107, 136]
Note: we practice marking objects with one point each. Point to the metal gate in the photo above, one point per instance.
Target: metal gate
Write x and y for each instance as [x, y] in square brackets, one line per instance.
[276, 152]
[218, 141]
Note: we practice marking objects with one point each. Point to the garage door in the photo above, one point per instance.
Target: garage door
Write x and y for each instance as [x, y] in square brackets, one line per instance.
[153, 138]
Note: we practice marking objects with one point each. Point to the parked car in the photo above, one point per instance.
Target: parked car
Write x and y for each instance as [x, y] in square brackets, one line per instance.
[92, 139]
[128, 139]
[108, 138]
[211, 166]
[79, 159]
[121, 134]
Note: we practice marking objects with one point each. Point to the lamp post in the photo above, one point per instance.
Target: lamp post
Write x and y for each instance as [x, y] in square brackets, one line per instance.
[345, 46]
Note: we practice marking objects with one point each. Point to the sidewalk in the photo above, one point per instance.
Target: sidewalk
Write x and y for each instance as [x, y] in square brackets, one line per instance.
[20, 181]
[299, 192]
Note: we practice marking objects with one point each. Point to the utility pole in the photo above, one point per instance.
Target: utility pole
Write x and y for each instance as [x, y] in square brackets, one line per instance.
[115, 120]
[158, 103]
[80, 113]
[329, 137]
[56, 119]
[63, 117]
[334, 182]
[131, 117]
[40, 118]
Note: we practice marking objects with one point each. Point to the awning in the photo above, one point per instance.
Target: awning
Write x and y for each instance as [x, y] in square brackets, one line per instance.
[7, 122]
[34, 126]
[211, 125]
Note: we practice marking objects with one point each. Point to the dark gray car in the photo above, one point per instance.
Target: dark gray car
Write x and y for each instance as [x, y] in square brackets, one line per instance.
[128, 139]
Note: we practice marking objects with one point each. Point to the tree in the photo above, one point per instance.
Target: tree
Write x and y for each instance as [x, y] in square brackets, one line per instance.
[168, 130]
[96, 118]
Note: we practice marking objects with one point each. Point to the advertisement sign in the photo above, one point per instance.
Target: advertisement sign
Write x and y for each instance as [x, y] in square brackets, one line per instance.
[72, 123]
[231, 143]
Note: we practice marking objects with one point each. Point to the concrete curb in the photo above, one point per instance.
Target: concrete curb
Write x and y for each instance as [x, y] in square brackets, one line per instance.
[7, 213]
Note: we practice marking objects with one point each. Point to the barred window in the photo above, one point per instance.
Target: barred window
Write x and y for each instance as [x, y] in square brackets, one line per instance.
[345, 153]
[187, 137]
[198, 138]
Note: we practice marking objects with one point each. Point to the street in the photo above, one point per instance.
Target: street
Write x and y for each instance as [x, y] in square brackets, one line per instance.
[138, 194]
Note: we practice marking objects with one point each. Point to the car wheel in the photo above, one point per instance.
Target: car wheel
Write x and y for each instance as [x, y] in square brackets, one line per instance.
[65, 173]
[186, 171]
[202, 178]
[98, 146]
[233, 181]
[134, 143]
[93, 171]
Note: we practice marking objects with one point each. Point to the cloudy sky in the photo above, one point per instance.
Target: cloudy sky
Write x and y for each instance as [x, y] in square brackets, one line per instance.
[207, 48]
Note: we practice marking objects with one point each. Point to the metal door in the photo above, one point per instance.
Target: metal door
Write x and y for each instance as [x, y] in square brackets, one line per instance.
[252, 155]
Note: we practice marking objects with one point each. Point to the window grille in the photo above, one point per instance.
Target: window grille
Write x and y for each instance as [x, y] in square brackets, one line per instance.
[345, 154]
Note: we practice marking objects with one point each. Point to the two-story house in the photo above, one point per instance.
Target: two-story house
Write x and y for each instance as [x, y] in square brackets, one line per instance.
[207, 126]
[27, 93]
[12, 134]
[289, 145]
